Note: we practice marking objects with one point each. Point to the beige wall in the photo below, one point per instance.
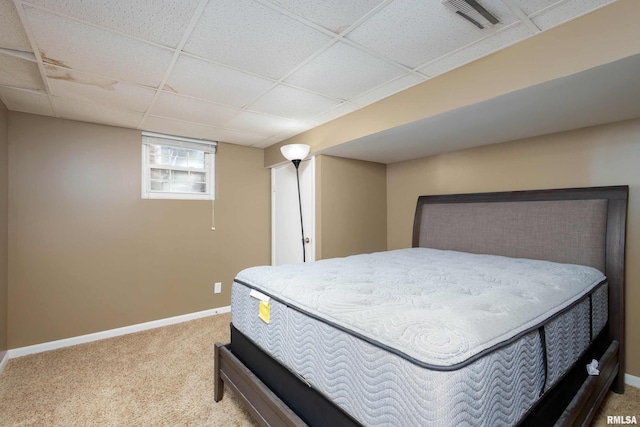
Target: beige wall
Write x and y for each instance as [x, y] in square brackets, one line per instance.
[4, 201]
[351, 207]
[601, 155]
[87, 254]
[600, 37]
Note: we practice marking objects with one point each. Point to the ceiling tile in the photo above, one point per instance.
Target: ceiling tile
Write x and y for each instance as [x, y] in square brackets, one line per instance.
[566, 11]
[20, 73]
[339, 111]
[215, 83]
[414, 32]
[495, 42]
[295, 104]
[12, 35]
[26, 101]
[248, 121]
[81, 47]
[344, 72]
[274, 139]
[236, 137]
[178, 128]
[85, 87]
[94, 113]
[532, 6]
[160, 21]
[334, 15]
[192, 110]
[253, 37]
[196, 130]
[268, 142]
[388, 89]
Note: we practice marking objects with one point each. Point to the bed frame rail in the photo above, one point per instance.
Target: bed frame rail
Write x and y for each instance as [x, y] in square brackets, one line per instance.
[265, 407]
[585, 404]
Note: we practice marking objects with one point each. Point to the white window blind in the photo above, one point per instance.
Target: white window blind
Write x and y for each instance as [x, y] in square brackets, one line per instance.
[177, 168]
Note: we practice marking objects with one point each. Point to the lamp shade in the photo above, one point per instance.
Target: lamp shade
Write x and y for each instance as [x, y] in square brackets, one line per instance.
[295, 151]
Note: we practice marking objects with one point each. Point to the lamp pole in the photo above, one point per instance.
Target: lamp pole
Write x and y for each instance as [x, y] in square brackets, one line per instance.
[296, 163]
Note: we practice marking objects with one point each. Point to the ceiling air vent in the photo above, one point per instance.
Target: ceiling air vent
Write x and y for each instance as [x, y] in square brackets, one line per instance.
[472, 11]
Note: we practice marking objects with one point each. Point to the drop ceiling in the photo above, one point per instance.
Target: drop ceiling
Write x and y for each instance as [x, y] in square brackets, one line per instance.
[249, 72]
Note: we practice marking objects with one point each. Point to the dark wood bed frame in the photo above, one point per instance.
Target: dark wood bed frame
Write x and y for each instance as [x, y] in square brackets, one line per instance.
[573, 401]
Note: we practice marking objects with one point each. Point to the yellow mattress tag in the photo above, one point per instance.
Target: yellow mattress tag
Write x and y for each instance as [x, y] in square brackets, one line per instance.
[265, 311]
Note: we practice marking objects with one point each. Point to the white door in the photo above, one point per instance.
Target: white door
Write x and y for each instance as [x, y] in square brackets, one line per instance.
[286, 233]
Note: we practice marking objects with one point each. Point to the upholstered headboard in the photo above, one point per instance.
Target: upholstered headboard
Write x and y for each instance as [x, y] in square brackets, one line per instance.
[579, 226]
[568, 231]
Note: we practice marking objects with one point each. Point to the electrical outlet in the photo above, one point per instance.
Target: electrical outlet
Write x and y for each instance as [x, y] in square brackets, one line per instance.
[217, 287]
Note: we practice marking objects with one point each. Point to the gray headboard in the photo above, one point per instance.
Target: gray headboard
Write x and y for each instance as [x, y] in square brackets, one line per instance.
[568, 231]
[578, 225]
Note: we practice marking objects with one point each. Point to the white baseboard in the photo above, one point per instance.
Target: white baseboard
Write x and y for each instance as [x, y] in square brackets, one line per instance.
[53, 345]
[632, 380]
[4, 361]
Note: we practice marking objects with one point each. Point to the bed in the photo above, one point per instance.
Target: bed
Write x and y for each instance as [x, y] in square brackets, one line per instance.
[325, 358]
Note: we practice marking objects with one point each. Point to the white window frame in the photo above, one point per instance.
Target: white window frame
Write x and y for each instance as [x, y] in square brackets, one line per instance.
[209, 149]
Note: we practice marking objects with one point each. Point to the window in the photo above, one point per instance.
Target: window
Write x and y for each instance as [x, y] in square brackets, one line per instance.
[177, 168]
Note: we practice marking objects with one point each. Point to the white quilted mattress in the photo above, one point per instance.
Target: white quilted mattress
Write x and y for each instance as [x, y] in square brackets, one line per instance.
[421, 336]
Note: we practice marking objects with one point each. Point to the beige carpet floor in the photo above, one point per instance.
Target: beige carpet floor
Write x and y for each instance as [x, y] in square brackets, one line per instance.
[160, 377]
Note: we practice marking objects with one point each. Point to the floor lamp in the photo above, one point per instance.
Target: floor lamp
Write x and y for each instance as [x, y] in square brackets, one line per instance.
[296, 153]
